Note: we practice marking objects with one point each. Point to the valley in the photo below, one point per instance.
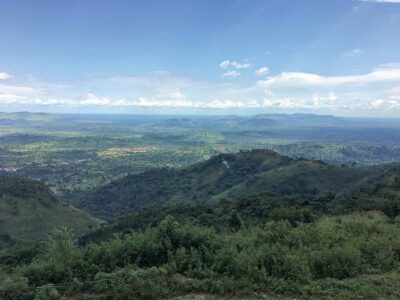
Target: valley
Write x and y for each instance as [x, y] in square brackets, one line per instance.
[155, 208]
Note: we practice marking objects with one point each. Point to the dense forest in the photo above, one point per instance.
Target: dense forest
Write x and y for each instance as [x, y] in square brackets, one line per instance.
[328, 257]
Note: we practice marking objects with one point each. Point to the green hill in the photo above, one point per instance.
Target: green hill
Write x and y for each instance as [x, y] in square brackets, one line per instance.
[29, 210]
[378, 191]
[225, 176]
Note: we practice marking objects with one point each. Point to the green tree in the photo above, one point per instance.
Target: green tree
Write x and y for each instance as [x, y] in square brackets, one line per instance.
[235, 221]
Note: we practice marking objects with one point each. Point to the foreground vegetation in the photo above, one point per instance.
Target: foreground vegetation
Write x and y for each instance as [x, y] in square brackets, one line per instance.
[334, 257]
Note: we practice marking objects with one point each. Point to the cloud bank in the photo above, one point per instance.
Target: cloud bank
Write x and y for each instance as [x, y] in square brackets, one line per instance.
[298, 79]
[365, 93]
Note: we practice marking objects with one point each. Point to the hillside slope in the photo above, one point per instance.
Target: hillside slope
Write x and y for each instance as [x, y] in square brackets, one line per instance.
[226, 176]
[381, 190]
[29, 210]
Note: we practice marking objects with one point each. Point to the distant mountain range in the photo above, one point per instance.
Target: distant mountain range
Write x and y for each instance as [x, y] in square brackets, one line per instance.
[27, 116]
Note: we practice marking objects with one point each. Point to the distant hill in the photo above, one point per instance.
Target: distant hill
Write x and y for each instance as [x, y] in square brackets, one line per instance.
[29, 210]
[256, 122]
[27, 116]
[223, 177]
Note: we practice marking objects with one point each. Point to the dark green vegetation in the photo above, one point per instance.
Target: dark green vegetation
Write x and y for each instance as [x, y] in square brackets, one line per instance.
[29, 210]
[223, 177]
[289, 238]
[333, 258]
[254, 224]
[316, 190]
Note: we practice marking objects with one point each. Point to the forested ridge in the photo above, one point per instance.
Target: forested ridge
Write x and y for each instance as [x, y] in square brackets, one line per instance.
[224, 176]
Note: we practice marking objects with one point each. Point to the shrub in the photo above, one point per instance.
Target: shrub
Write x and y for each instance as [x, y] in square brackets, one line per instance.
[338, 262]
[47, 292]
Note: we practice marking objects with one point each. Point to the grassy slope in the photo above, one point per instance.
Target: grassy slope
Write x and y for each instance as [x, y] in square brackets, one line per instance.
[381, 188]
[226, 176]
[304, 178]
[28, 210]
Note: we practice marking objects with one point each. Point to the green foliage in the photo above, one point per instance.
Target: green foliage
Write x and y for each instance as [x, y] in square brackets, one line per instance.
[234, 221]
[337, 262]
[277, 258]
[12, 286]
[391, 207]
[225, 177]
[47, 292]
[293, 214]
[28, 210]
[130, 283]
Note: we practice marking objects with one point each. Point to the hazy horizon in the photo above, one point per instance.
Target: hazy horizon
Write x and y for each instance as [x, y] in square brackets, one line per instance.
[200, 115]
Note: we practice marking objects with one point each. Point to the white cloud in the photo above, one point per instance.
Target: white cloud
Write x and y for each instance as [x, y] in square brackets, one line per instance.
[383, 104]
[143, 101]
[269, 93]
[370, 92]
[223, 104]
[4, 76]
[9, 99]
[92, 100]
[50, 101]
[382, 1]
[233, 64]
[353, 52]
[15, 89]
[170, 93]
[298, 79]
[231, 74]
[262, 71]
[329, 97]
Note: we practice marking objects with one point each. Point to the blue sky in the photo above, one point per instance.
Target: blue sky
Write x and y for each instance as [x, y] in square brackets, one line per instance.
[321, 56]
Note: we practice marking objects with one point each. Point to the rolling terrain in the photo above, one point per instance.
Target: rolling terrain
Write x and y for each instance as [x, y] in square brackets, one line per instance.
[29, 210]
[223, 177]
[253, 223]
[76, 153]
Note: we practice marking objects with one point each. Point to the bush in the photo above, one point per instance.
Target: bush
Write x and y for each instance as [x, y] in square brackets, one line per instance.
[338, 262]
[47, 292]
[131, 283]
[13, 287]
